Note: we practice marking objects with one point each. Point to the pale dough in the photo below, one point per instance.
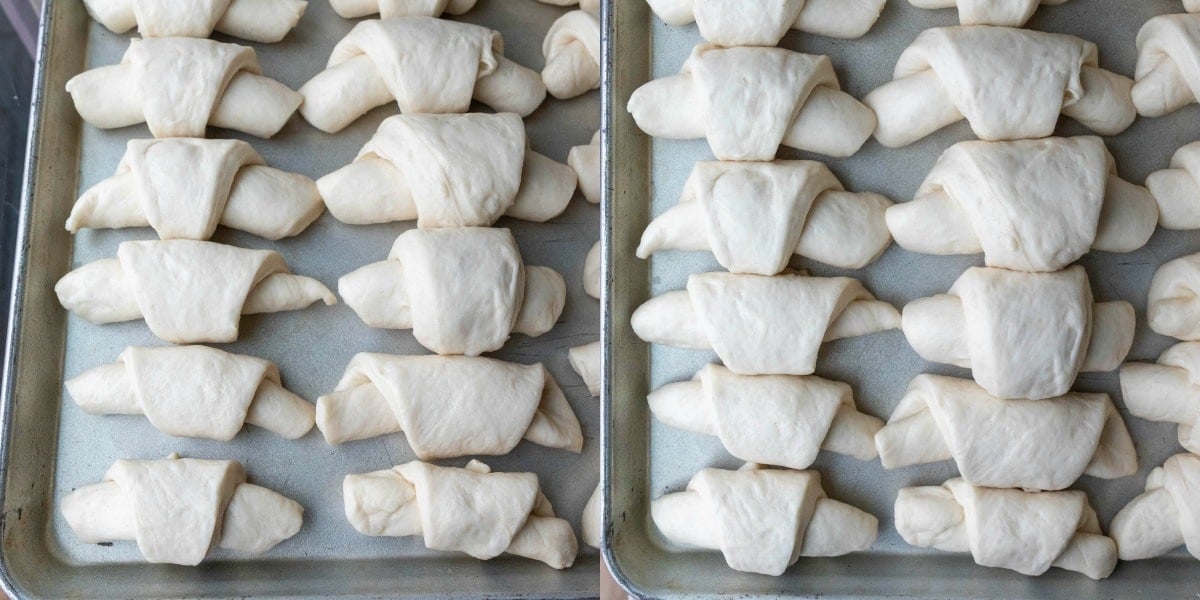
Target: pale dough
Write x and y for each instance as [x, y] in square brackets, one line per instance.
[572, 53]
[764, 22]
[1168, 390]
[585, 360]
[263, 21]
[1165, 516]
[593, 275]
[592, 521]
[390, 9]
[585, 160]
[1177, 189]
[1009, 13]
[1168, 64]
[1172, 305]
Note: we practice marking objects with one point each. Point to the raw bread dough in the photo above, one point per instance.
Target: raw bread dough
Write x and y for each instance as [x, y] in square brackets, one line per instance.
[1168, 390]
[764, 22]
[585, 160]
[781, 97]
[1177, 189]
[390, 9]
[593, 275]
[1173, 307]
[1028, 532]
[585, 360]
[1009, 84]
[1168, 64]
[177, 509]
[755, 215]
[1165, 516]
[193, 391]
[572, 53]
[448, 171]
[425, 65]
[222, 83]
[593, 519]
[448, 406]
[461, 290]
[187, 291]
[1023, 335]
[762, 520]
[1009, 13]
[770, 419]
[1028, 444]
[263, 21]
[763, 325]
[469, 510]
[1029, 205]
[185, 187]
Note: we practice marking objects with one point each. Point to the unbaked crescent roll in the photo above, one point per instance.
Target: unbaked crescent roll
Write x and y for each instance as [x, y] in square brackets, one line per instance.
[782, 98]
[390, 9]
[762, 520]
[1177, 189]
[1023, 335]
[1172, 305]
[1168, 64]
[1027, 532]
[1028, 444]
[1009, 84]
[592, 520]
[755, 215]
[1008, 13]
[470, 510]
[263, 21]
[425, 65]
[185, 187]
[572, 53]
[221, 82]
[1167, 390]
[1165, 516]
[187, 291]
[177, 509]
[762, 325]
[729, 23]
[585, 360]
[585, 160]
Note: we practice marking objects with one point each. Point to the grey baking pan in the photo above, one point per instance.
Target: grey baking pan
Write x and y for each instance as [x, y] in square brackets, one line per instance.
[645, 459]
[50, 446]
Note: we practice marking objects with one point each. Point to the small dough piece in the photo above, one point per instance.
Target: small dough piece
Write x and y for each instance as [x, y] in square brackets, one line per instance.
[1177, 189]
[425, 65]
[1009, 84]
[448, 171]
[593, 519]
[762, 520]
[461, 290]
[782, 420]
[1029, 444]
[731, 23]
[187, 291]
[1165, 516]
[391, 9]
[585, 360]
[1168, 390]
[177, 509]
[185, 187]
[194, 391]
[782, 98]
[262, 21]
[1029, 205]
[222, 83]
[1023, 335]
[448, 406]
[1168, 64]
[1007, 13]
[755, 215]
[572, 52]
[593, 274]
[1027, 532]
[585, 160]
[763, 325]
[470, 510]
[1172, 306]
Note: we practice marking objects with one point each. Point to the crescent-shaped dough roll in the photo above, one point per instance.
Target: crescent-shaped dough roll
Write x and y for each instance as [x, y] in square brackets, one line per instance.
[585, 160]
[185, 187]
[461, 290]
[1009, 84]
[1028, 444]
[1172, 305]
[781, 98]
[1168, 390]
[193, 391]
[1008, 13]
[1167, 74]
[585, 360]
[1028, 205]
[1027, 532]
[187, 291]
[572, 53]
[728, 207]
[1165, 516]
[177, 509]
[762, 325]
[1177, 189]
[470, 510]
[593, 273]
[221, 82]
[425, 65]
[448, 406]
[730, 23]
[762, 520]
[592, 521]
[1023, 335]
[391, 9]
[262, 21]
[448, 171]
[782, 420]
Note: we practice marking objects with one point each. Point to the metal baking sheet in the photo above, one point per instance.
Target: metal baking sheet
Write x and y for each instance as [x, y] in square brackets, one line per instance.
[52, 447]
[645, 459]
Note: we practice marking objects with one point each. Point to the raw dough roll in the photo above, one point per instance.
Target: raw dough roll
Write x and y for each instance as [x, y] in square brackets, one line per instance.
[177, 509]
[470, 510]
[1168, 390]
[585, 360]
[185, 187]
[755, 215]
[782, 420]
[222, 83]
[448, 171]
[425, 65]
[1029, 205]
[1168, 64]
[585, 160]
[762, 520]
[1027, 532]
[391, 9]
[572, 53]
[1009, 84]
[263, 21]
[1023, 335]
[1008, 13]
[1177, 189]
[593, 275]
[1165, 516]
[783, 97]
[461, 290]
[729, 23]
[193, 391]
[187, 291]
[1172, 305]
[592, 521]
[1028, 444]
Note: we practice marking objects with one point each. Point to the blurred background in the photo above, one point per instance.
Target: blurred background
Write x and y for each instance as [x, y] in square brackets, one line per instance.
[18, 37]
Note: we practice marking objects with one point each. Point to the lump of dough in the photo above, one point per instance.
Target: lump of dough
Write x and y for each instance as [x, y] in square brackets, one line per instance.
[263, 21]
[729, 23]
[391, 9]
[585, 360]
[1167, 390]
[1009, 13]
[1177, 189]
[1167, 74]
[1172, 306]
[572, 53]
[585, 160]
[1165, 516]
[593, 519]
